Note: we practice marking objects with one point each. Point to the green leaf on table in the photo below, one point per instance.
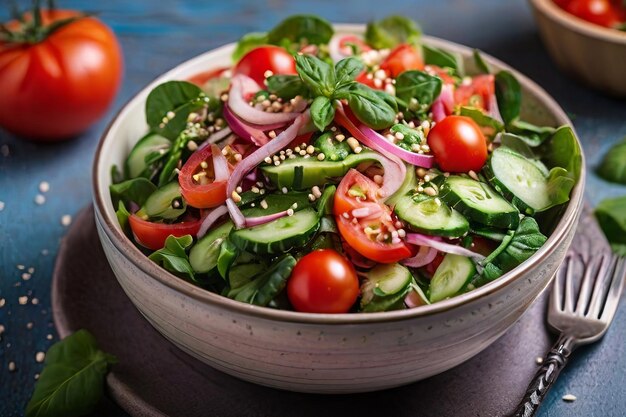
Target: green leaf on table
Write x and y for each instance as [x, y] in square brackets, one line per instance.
[305, 28]
[443, 59]
[509, 96]
[322, 112]
[176, 99]
[374, 108]
[72, 381]
[611, 215]
[525, 242]
[287, 86]
[613, 166]
[480, 63]
[173, 256]
[391, 32]
[420, 86]
[247, 43]
[136, 190]
[318, 75]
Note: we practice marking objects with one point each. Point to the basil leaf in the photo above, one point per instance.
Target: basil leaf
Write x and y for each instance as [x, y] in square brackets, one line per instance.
[611, 215]
[613, 166]
[322, 112]
[418, 85]
[347, 70]
[247, 43]
[392, 31]
[532, 135]
[266, 286]
[72, 381]
[178, 97]
[370, 107]
[318, 75]
[287, 86]
[480, 63]
[443, 59]
[562, 150]
[136, 190]
[526, 241]
[309, 29]
[173, 255]
[482, 119]
[509, 96]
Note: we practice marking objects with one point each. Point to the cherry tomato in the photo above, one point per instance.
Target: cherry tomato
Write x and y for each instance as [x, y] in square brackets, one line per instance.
[255, 63]
[440, 72]
[402, 58]
[152, 235]
[458, 144]
[323, 281]
[57, 86]
[479, 93]
[371, 236]
[197, 184]
[600, 12]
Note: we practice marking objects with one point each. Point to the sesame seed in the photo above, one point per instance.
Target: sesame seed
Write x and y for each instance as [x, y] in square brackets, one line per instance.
[44, 187]
[268, 160]
[284, 190]
[40, 356]
[425, 124]
[380, 74]
[204, 165]
[171, 115]
[430, 191]
[224, 97]
[49, 336]
[30, 325]
[473, 175]
[292, 156]
[263, 204]
[272, 134]
[401, 233]
[239, 190]
[290, 212]
[192, 146]
[238, 157]
[302, 152]
[391, 138]
[346, 215]
[12, 366]
[254, 189]
[252, 205]
[340, 137]
[23, 300]
[378, 82]
[311, 197]
[40, 199]
[321, 156]
[569, 398]
[296, 149]
[268, 74]
[2, 302]
[310, 149]
[378, 179]
[316, 191]
[353, 143]
[35, 301]
[389, 88]
[358, 149]
[399, 135]
[66, 220]
[427, 178]
[421, 172]
[294, 206]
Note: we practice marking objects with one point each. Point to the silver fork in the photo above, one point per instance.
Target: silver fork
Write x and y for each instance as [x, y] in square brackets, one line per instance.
[581, 317]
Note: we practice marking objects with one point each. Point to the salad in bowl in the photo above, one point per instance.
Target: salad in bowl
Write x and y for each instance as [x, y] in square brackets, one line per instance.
[327, 173]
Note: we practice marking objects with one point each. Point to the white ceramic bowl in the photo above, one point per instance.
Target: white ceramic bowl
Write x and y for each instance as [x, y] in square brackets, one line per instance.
[592, 53]
[321, 353]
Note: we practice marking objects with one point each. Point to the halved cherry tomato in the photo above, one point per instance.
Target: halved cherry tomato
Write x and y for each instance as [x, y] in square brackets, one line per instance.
[402, 58]
[255, 63]
[371, 236]
[458, 144]
[323, 281]
[197, 180]
[152, 235]
[479, 93]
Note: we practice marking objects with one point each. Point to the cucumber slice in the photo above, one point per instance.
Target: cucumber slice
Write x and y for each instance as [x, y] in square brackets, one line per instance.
[150, 147]
[519, 179]
[278, 202]
[385, 287]
[278, 236]
[431, 216]
[165, 203]
[409, 184]
[479, 202]
[453, 274]
[302, 173]
[204, 254]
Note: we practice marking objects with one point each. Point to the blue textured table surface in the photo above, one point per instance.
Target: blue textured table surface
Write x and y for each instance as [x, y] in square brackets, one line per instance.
[158, 35]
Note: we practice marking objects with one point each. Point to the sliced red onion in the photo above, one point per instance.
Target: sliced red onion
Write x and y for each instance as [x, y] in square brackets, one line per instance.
[241, 87]
[216, 137]
[256, 221]
[443, 104]
[367, 211]
[424, 256]
[220, 164]
[413, 299]
[211, 218]
[255, 158]
[437, 243]
[438, 111]
[243, 130]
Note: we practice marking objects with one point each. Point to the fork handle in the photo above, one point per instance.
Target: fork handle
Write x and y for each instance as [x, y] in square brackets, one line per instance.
[552, 365]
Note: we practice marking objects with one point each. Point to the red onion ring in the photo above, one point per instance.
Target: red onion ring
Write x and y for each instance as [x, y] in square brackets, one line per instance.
[424, 256]
[211, 218]
[220, 164]
[443, 104]
[437, 243]
[242, 86]
[256, 221]
[243, 130]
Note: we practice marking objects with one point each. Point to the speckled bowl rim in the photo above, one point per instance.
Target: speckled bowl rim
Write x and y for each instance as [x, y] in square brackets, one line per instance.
[113, 232]
[576, 24]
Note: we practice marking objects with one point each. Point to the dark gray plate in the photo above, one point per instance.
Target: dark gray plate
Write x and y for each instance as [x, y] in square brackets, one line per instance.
[154, 378]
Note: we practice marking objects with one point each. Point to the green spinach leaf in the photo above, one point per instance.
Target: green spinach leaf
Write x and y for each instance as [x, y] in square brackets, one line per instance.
[72, 381]
[176, 99]
[480, 63]
[443, 59]
[526, 241]
[308, 29]
[531, 134]
[322, 112]
[560, 184]
[509, 96]
[562, 150]
[122, 215]
[611, 215]
[248, 42]
[613, 166]
[136, 190]
[266, 286]
[173, 256]
[392, 31]
[420, 86]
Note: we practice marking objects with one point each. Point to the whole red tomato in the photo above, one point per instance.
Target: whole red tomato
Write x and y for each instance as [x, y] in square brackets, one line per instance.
[458, 144]
[600, 12]
[56, 85]
[255, 63]
[323, 282]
